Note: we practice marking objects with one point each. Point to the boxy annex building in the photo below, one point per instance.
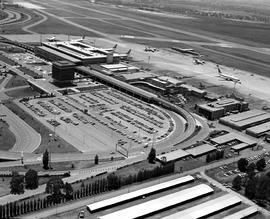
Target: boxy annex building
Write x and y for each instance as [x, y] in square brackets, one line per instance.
[217, 109]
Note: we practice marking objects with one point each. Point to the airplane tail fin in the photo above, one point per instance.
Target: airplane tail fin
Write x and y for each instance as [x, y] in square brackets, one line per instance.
[114, 47]
[219, 71]
[83, 36]
[128, 52]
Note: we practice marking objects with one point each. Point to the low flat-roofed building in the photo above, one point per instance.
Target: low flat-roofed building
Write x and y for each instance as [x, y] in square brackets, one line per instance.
[87, 54]
[137, 76]
[120, 68]
[173, 81]
[217, 109]
[52, 55]
[240, 147]
[244, 120]
[172, 156]
[229, 137]
[188, 89]
[258, 130]
[201, 150]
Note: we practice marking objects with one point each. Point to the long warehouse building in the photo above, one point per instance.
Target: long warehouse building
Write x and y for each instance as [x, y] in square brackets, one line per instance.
[207, 208]
[139, 193]
[258, 130]
[162, 203]
[242, 121]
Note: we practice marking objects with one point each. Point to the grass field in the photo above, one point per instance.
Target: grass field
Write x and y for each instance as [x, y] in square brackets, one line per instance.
[55, 26]
[7, 138]
[209, 26]
[232, 61]
[108, 27]
[5, 184]
[243, 53]
[59, 146]
[16, 81]
[59, 166]
[22, 92]
[157, 31]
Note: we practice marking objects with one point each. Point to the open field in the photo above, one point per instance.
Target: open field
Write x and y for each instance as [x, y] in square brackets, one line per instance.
[108, 28]
[16, 81]
[60, 27]
[22, 92]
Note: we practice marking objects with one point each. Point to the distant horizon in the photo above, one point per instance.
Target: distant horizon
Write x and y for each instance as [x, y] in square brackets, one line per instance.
[263, 4]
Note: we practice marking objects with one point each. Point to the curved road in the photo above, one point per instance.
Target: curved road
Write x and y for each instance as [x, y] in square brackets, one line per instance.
[27, 139]
[26, 28]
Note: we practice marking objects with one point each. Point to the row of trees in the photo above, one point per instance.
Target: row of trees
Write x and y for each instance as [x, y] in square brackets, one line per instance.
[244, 166]
[19, 182]
[58, 192]
[256, 185]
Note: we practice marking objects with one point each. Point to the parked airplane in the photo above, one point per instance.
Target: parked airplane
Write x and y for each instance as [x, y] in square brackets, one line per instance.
[112, 49]
[228, 77]
[185, 51]
[149, 49]
[199, 62]
[51, 39]
[79, 40]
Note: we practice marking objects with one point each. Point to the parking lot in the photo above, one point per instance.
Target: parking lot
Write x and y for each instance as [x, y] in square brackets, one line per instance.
[33, 63]
[100, 119]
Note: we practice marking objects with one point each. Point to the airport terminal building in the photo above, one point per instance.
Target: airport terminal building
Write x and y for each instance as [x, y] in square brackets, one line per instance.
[218, 109]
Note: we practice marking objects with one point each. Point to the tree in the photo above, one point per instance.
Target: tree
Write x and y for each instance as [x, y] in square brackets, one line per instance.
[96, 159]
[250, 189]
[152, 155]
[251, 170]
[236, 183]
[263, 187]
[54, 182]
[16, 184]
[68, 191]
[45, 160]
[31, 179]
[242, 164]
[261, 164]
[54, 187]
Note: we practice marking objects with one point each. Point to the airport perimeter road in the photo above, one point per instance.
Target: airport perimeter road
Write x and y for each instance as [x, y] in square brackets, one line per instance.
[27, 139]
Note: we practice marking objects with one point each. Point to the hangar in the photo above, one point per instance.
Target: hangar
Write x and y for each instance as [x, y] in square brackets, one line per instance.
[244, 120]
[258, 130]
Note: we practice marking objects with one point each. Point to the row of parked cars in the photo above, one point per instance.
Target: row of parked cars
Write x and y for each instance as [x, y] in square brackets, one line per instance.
[36, 110]
[104, 98]
[143, 116]
[89, 99]
[53, 122]
[82, 119]
[48, 107]
[60, 106]
[68, 120]
[149, 110]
